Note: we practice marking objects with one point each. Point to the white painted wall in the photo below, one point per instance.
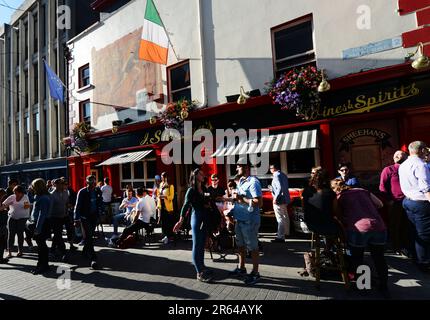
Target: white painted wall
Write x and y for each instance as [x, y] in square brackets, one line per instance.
[237, 39]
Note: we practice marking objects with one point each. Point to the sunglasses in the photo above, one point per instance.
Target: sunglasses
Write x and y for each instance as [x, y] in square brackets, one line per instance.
[343, 170]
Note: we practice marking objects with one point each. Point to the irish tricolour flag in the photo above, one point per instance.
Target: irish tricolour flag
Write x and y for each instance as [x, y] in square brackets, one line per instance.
[154, 45]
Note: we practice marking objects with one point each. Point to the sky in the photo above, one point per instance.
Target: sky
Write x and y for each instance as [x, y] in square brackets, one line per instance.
[6, 13]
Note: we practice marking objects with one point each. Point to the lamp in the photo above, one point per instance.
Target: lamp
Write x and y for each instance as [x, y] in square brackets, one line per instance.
[422, 61]
[243, 97]
[115, 125]
[153, 120]
[324, 85]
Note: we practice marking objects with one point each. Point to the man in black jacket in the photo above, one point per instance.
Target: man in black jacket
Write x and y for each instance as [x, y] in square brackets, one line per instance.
[87, 211]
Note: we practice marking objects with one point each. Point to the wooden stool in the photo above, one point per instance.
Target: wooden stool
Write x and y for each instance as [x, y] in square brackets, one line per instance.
[339, 257]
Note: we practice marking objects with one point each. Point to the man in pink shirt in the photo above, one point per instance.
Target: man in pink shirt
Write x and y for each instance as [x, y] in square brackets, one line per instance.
[398, 223]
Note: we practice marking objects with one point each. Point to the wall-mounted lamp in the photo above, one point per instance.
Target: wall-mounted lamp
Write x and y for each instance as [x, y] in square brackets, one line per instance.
[115, 125]
[243, 97]
[324, 85]
[422, 61]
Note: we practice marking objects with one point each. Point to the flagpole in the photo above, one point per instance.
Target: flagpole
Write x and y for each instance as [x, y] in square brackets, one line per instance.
[167, 34]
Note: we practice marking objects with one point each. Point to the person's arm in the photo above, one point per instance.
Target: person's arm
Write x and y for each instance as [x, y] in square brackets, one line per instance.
[7, 202]
[185, 207]
[276, 188]
[423, 175]
[378, 203]
[78, 206]
[43, 207]
[383, 181]
[171, 193]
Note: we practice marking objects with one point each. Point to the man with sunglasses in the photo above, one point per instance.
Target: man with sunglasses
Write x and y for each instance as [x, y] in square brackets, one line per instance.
[215, 191]
[344, 174]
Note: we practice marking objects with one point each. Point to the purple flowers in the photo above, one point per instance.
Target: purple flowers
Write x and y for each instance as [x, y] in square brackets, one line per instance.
[296, 90]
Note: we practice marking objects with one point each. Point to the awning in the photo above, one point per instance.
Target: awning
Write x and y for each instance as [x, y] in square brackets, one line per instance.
[275, 143]
[125, 158]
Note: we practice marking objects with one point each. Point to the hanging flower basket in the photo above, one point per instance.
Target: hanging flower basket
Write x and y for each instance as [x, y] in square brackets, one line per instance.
[174, 115]
[297, 91]
[78, 140]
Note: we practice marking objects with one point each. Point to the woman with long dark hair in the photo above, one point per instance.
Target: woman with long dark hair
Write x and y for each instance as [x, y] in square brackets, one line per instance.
[165, 205]
[195, 199]
[40, 217]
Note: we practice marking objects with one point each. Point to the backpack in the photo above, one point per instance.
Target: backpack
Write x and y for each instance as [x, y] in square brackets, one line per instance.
[128, 242]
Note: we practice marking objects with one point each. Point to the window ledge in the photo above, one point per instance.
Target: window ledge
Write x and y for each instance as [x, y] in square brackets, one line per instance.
[87, 87]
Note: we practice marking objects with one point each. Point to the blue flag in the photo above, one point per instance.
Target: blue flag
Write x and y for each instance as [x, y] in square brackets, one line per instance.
[56, 86]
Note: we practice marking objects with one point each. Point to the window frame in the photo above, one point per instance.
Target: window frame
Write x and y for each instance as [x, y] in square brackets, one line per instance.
[81, 78]
[81, 111]
[146, 179]
[286, 25]
[169, 69]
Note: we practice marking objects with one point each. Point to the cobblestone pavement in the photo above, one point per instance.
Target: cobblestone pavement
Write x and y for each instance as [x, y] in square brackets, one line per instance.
[159, 271]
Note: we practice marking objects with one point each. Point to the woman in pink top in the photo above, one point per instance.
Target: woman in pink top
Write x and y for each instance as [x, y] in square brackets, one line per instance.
[19, 212]
[357, 208]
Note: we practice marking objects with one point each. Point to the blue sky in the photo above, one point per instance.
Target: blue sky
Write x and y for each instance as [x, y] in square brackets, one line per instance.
[6, 13]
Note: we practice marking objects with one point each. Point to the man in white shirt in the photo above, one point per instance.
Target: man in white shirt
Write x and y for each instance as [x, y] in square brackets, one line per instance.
[145, 210]
[107, 191]
[414, 178]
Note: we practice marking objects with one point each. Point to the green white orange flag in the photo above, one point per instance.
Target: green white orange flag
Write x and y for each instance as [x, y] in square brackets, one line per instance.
[154, 45]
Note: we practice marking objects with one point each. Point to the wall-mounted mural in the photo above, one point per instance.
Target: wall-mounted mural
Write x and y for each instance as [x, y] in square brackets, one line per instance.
[121, 79]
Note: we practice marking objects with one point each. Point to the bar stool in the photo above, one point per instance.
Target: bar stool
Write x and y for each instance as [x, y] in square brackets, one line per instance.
[339, 258]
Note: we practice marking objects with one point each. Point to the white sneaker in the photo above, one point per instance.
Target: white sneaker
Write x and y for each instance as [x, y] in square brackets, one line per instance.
[165, 240]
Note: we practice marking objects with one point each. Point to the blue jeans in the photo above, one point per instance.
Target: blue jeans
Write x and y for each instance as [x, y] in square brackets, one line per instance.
[419, 214]
[116, 220]
[199, 231]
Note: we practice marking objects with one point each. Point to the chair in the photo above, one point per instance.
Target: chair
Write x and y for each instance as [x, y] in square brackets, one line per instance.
[339, 258]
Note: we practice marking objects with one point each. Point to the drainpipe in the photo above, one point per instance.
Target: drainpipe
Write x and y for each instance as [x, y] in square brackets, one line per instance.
[202, 53]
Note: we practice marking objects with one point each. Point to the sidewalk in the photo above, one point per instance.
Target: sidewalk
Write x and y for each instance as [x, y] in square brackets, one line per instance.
[165, 272]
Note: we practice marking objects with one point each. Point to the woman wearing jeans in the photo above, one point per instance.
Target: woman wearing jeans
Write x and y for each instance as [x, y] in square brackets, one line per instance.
[40, 217]
[195, 199]
[19, 212]
[358, 209]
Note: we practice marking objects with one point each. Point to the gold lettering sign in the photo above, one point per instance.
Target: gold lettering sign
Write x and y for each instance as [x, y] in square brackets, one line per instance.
[363, 103]
[153, 138]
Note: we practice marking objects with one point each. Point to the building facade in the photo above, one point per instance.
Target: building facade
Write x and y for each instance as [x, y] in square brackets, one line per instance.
[32, 124]
[378, 102]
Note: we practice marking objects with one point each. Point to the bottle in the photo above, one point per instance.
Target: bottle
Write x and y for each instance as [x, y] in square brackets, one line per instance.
[250, 207]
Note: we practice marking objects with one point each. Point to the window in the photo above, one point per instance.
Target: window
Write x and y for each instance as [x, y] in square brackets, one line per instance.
[36, 83]
[292, 45]
[36, 33]
[18, 95]
[179, 83]
[26, 135]
[84, 76]
[26, 89]
[26, 41]
[85, 111]
[138, 174]
[36, 129]
[296, 164]
[17, 136]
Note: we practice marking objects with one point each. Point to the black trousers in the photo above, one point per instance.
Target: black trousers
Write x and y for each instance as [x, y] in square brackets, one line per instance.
[42, 248]
[89, 227]
[168, 221]
[3, 240]
[57, 240]
[139, 224]
[377, 253]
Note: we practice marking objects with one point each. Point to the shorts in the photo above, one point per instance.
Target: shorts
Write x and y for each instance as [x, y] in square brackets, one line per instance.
[247, 234]
[363, 239]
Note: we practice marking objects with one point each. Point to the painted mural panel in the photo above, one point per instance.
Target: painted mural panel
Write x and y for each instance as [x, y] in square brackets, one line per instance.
[124, 82]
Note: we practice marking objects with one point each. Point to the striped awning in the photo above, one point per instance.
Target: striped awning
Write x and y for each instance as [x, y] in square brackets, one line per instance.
[125, 158]
[275, 143]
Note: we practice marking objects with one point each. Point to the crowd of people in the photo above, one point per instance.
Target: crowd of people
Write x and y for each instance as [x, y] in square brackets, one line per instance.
[338, 207]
